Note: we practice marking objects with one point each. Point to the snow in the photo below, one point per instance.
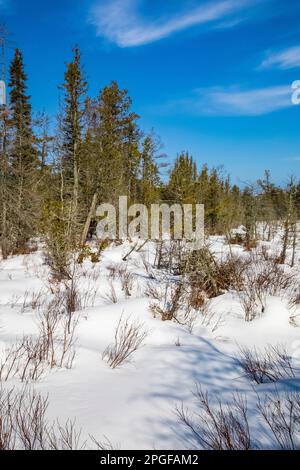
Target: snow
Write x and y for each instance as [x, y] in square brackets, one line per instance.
[134, 405]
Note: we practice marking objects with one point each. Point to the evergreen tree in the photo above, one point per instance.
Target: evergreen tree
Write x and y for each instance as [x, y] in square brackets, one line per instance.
[72, 124]
[117, 143]
[6, 201]
[23, 151]
[23, 159]
[183, 180]
[149, 174]
[212, 207]
[250, 215]
[131, 153]
[44, 140]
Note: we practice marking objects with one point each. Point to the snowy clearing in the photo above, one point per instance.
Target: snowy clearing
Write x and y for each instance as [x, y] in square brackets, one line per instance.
[133, 406]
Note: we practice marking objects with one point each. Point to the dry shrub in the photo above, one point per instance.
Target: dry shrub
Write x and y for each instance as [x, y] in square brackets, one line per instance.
[74, 295]
[229, 272]
[197, 298]
[272, 278]
[249, 303]
[87, 253]
[113, 270]
[116, 270]
[214, 277]
[197, 309]
[269, 365]
[106, 444]
[32, 301]
[208, 277]
[148, 267]
[236, 239]
[72, 300]
[260, 280]
[294, 303]
[53, 347]
[268, 255]
[24, 360]
[23, 424]
[120, 272]
[168, 300]
[111, 295]
[153, 290]
[57, 330]
[282, 415]
[88, 298]
[22, 418]
[294, 300]
[209, 318]
[128, 339]
[64, 437]
[170, 255]
[15, 300]
[250, 244]
[127, 283]
[25, 248]
[224, 427]
[58, 262]
[67, 297]
[183, 303]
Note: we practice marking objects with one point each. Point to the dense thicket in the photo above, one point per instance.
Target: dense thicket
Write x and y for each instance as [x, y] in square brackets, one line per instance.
[51, 183]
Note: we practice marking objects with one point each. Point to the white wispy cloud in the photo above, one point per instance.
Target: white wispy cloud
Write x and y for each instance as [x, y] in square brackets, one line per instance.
[233, 101]
[120, 21]
[284, 59]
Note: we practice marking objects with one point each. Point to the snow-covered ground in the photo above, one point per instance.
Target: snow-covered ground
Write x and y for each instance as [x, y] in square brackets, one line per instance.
[133, 406]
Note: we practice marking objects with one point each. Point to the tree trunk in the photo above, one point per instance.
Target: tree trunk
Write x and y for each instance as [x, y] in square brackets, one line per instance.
[282, 257]
[4, 245]
[89, 220]
[294, 245]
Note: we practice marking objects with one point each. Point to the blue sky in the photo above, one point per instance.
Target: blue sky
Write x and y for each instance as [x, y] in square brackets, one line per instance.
[211, 77]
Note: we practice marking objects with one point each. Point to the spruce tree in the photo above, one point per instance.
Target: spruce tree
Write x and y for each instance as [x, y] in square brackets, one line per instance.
[250, 215]
[214, 195]
[23, 159]
[6, 202]
[117, 143]
[149, 177]
[183, 180]
[72, 123]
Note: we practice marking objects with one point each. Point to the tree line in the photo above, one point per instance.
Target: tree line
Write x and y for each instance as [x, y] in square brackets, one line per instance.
[51, 181]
